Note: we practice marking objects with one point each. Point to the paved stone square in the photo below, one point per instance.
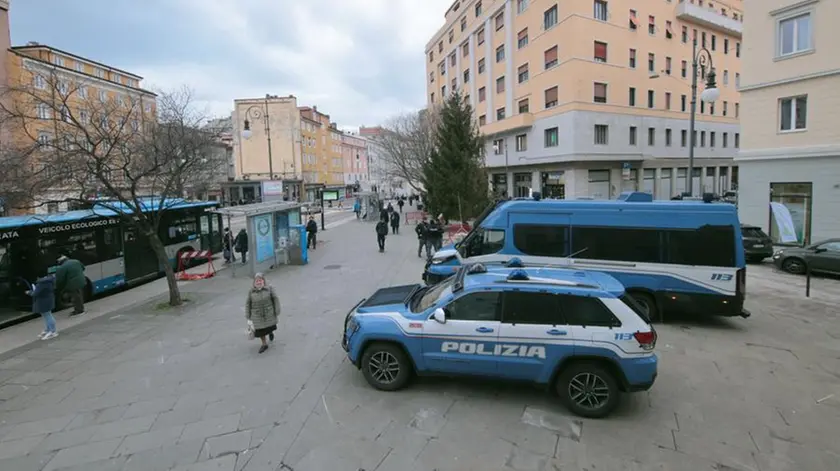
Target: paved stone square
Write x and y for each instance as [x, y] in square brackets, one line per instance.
[145, 389]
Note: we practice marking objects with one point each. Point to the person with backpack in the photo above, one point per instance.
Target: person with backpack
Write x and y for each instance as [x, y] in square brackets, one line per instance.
[395, 223]
[421, 229]
[262, 309]
[311, 233]
[381, 233]
[357, 208]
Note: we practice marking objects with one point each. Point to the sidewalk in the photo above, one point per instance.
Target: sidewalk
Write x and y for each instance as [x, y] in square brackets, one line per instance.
[26, 332]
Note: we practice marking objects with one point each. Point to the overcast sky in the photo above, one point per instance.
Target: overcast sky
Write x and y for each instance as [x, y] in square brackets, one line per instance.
[361, 61]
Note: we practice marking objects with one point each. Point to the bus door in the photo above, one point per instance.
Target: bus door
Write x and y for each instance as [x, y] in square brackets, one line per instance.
[140, 259]
[13, 277]
[206, 231]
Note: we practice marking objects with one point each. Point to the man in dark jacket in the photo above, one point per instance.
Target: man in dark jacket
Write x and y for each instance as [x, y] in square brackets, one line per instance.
[381, 233]
[421, 229]
[401, 203]
[395, 223]
[241, 244]
[70, 279]
[434, 235]
[311, 233]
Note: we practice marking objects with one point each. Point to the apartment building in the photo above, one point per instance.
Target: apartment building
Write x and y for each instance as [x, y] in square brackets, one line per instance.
[790, 154]
[354, 154]
[323, 164]
[74, 84]
[589, 98]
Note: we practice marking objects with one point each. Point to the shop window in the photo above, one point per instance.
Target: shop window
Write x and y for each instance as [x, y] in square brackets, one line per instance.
[790, 213]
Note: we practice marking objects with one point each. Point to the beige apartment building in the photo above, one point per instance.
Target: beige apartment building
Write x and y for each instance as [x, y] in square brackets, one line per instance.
[790, 154]
[589, 98]
[280, 139]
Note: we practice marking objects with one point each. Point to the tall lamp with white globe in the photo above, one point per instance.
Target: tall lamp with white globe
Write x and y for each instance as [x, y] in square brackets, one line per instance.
[258, 112]
[702, 65]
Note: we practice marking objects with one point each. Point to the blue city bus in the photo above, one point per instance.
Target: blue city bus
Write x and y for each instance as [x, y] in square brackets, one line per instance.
[671, 256]
[113, 252]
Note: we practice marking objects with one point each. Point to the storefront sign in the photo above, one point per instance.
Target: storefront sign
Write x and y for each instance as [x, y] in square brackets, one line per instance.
[272, 188]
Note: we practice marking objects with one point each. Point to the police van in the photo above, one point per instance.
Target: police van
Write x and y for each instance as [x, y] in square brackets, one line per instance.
[671, 256]
[577, 332]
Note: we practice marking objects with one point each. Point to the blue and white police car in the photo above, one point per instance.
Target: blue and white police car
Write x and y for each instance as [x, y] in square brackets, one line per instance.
[577, 332]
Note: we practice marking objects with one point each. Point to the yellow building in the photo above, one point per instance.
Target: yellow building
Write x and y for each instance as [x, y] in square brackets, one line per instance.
[790, 157]
[324, 164]
[588, 98]
[58, 84]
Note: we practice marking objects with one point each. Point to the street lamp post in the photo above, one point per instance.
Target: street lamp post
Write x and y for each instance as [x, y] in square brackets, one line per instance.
[701, 60]
[254, 112]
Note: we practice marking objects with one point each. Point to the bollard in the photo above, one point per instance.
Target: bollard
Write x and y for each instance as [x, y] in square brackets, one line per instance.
[807, 280]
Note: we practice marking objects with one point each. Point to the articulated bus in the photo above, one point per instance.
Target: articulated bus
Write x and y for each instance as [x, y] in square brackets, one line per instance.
[113, 253]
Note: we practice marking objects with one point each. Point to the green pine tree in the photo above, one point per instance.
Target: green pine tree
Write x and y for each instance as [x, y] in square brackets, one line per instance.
[454, 176]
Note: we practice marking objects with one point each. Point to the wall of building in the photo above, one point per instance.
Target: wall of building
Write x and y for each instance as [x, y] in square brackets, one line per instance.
[355, 158]
[823, 173]
[251, 154]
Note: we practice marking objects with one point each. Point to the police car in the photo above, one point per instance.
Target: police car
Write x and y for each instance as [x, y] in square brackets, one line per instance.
[574, 331]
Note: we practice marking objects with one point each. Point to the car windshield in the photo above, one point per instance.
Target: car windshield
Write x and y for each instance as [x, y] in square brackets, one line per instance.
[433, 295]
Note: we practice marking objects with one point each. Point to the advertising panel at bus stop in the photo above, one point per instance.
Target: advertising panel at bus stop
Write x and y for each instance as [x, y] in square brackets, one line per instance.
[264, 237]
[330, 195]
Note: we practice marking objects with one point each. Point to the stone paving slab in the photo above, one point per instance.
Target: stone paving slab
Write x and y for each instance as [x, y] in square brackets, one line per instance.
[143, 390]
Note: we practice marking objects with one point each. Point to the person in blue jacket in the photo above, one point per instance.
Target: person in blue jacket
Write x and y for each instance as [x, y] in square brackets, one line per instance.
[43, 303]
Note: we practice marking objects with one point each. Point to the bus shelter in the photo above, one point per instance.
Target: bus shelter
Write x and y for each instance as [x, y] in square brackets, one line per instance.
[369, 202]
[275, 235]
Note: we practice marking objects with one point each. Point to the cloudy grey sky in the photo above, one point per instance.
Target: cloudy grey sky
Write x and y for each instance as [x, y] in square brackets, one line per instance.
[361, 61]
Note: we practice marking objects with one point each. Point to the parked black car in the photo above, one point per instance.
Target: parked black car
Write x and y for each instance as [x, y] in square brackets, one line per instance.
[757, 244]
[823, 257]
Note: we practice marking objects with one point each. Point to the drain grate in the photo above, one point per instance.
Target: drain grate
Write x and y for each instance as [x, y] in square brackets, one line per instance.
[332, 267]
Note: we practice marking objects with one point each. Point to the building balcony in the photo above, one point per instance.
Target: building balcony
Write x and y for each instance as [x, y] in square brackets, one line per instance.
[513, 123]
[709, 17]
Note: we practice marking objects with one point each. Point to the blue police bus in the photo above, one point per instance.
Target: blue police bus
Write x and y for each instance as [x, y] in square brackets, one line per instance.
[113, 253]
[677, 256]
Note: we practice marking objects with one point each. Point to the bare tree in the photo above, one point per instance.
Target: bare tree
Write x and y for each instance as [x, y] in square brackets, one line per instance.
[406, 146]
[131, 153]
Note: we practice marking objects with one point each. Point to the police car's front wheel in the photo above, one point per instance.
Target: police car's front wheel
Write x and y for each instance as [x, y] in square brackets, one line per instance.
[386, 367]
[588, 390]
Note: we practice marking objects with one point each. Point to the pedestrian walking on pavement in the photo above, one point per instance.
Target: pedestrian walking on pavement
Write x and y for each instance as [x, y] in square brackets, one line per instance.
[357, 208]
[401, 203]
[241, 244]
[263, 309]
[43, 303]
[395, 223]
[421, 230]
[381, 233]
[311, 233]
[227, 244]
[435, 234]
[390, 208]
[70, 280]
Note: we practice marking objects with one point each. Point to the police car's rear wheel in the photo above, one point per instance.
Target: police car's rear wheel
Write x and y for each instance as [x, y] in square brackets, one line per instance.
[588, 390]
[386, 367]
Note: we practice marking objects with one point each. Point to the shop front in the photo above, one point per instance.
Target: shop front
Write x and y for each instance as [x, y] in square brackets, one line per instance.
[554, 185]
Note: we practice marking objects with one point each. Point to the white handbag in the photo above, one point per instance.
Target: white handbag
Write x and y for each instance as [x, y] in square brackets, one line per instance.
[250, 330]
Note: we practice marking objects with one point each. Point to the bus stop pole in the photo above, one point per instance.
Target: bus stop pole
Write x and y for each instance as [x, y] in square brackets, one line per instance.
[322, 210]
[807, 280]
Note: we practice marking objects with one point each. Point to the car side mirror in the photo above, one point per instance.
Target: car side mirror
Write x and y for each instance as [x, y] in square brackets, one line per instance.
[439, 315]
[820, 250]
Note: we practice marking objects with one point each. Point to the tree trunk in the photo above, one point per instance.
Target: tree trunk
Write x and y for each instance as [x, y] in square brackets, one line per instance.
[163, 259]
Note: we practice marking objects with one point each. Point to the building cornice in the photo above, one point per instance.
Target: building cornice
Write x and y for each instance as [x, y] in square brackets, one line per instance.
[789, 80]
[790, 8]
[94, 63]
[829, 150]
[38, 65]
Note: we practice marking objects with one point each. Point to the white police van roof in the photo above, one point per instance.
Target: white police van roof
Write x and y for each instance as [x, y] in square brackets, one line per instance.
[543, 277]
